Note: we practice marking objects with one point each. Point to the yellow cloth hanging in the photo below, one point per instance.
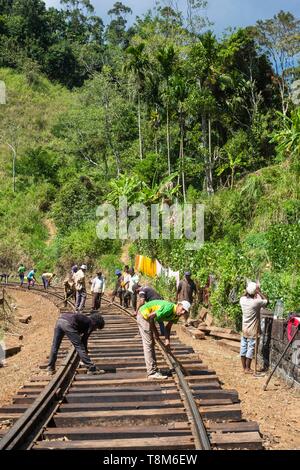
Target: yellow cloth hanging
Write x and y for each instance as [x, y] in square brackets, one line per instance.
[146, 265]
[137, 263]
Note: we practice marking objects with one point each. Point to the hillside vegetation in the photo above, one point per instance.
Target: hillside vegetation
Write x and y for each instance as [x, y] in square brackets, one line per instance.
[158, 111]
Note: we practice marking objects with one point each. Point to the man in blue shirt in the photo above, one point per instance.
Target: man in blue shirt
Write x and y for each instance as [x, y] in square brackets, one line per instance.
[31, 278]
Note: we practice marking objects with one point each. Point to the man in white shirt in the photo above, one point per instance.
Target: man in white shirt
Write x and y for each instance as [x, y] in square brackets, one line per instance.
[97, 290]
[251, 304]
[133, 283]
[126, 282]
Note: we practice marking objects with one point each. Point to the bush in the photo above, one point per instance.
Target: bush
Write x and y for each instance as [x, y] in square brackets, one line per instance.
[83, 245]
[284, 246]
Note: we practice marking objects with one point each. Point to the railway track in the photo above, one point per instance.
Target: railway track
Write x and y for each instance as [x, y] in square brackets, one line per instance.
[122, 409]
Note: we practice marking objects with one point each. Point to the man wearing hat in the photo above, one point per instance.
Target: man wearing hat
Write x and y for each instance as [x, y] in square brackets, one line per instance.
[77, 328]
[80, 287]
[148, 314]
[251, 304]
[186, 289]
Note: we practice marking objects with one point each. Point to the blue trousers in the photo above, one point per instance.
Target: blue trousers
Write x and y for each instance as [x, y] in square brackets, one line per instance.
[80, 299]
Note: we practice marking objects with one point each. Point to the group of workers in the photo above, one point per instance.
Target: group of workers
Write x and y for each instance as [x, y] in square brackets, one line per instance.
[149, 308]
[75, 286]
[30, 277]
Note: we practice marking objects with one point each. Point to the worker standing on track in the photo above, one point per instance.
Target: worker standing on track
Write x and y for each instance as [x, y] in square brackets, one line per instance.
[146, 294]
[47, 278]
[97, 290]
[132, 288]
[125, 286]
[80, 287]
[186, 289]
[118, 290]
[77, 328]
[251, 304]
[21, 273]
[31, 279]
[158, 310]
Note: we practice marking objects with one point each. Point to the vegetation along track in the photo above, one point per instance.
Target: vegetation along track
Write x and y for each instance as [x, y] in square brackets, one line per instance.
[122, 409]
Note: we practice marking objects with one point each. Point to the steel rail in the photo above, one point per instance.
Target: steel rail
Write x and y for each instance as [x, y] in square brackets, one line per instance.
[41, 290]
[202, 441]
[26, 429]
[29, 426]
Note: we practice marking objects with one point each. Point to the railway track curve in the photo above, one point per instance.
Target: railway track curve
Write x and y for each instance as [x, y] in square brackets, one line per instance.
[122, 409]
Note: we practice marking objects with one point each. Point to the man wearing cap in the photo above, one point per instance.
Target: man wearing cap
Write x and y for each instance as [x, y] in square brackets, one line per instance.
[148, 314]
[186, 289]
[77, 328]
[80, 287]
[251, 304]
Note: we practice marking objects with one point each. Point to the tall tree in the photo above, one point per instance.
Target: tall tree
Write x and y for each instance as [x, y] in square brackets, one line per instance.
[205, 68]
[167, 60]
[82, 24]
[138, 65]
[116, 32]
[180, 93]
[279, 37]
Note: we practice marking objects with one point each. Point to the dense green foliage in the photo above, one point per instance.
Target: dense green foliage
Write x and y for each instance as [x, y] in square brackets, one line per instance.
[157, 111]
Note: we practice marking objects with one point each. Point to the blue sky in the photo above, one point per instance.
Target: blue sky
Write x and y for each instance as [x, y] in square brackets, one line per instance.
[223, 13]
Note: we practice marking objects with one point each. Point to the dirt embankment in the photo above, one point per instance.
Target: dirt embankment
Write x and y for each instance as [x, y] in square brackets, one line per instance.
[36, 343]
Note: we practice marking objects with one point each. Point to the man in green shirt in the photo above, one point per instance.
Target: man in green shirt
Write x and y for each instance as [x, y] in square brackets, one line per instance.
[148, 314]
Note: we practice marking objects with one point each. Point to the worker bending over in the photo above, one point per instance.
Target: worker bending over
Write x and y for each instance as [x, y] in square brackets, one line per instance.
[47, 278]
[77, 328]
[148, 314]
[69, 290]
[146, 294]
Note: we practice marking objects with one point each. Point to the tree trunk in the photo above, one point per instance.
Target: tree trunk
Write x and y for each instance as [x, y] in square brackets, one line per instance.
[208, 155]
[168, 139]
[181, 156]
[210, 188]
[232, 178]
[140, 127]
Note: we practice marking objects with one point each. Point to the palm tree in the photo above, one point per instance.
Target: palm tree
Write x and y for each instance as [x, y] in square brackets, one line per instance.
[138, 64]
[166, 58]
[180, 94]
